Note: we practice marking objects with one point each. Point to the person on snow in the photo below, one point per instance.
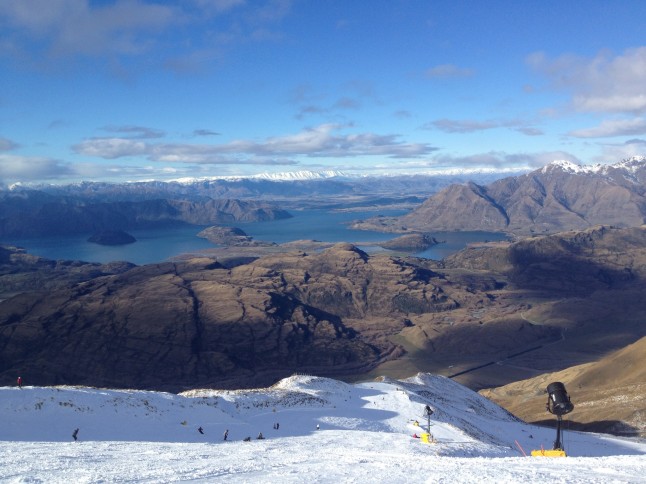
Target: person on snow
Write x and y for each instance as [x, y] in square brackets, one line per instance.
[247, 439]
[19, 382]
[201, 430]
[260, 436]
[226, 434]
[318, 427]
[75, 434]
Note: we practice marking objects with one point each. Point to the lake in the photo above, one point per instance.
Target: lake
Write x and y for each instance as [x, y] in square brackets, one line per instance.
[157, 245]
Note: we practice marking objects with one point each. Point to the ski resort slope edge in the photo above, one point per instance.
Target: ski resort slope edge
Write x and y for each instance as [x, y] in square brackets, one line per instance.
[328, 431]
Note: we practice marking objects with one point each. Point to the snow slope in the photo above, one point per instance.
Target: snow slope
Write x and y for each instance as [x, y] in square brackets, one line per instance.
[365, 435]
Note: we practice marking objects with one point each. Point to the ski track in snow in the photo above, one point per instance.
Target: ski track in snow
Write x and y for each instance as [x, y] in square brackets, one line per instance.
[365, 436]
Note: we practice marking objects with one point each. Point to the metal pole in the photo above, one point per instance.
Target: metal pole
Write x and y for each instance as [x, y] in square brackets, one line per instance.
[557, 442]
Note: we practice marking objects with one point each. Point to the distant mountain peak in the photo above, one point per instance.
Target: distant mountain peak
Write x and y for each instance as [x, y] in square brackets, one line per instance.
[300, 175]
[565, 166]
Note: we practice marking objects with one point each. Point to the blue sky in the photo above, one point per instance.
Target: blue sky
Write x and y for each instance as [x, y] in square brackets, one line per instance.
[142, 89]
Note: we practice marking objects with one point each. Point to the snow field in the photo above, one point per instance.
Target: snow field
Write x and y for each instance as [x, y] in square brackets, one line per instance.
[365, 436]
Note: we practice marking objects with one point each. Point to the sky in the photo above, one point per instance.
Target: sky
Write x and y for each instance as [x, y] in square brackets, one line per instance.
[125, 90]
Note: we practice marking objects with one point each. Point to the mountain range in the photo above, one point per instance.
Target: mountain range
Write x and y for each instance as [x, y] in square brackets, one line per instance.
[89, 207]
[38, 214]
[560, 196]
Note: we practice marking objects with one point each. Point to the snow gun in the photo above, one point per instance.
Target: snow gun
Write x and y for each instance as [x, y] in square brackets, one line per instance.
[558, 403]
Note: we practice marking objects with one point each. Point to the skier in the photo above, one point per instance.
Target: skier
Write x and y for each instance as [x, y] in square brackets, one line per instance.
[247, 439]
[20, 382]
[226, 434]
[260, 436]
[318, 427]
[201, 430]
[75, 434]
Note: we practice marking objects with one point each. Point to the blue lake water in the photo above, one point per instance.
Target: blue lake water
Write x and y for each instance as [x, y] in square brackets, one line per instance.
[157, 245]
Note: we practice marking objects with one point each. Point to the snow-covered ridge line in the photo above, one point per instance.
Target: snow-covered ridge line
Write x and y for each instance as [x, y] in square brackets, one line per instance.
[313, 430]
[630, 165]
[474, 424]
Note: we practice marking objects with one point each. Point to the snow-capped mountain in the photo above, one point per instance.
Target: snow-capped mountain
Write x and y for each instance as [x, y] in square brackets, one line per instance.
[328, 431]
[630, 165]
[560, 196]
[301, 175]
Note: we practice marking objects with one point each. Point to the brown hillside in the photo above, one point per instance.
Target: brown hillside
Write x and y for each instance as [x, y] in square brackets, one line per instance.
[608, 395]
[557, 197]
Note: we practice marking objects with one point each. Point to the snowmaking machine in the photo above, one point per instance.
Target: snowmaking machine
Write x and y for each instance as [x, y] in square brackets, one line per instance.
[427, 437]
[559, 404]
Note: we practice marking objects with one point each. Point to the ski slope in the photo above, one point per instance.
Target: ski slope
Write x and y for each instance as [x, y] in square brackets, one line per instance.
[365, 435]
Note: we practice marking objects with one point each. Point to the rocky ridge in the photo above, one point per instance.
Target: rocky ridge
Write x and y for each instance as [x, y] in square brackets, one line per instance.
[560, 196]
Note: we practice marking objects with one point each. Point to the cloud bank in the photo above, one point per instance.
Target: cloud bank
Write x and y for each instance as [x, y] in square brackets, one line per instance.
[605, 83]
[321, 141]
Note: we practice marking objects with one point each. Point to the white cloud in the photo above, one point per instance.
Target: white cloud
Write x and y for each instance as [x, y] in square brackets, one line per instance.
[461, 125]
[205, 132]
[611, 153]
[604, 83]
[613, 127]
[46, 33]
[76, 27]
[136, 132]
[24, 168]
[111, 148]
[472, 125]
[320, 141]
[529, 131]
[498, 159]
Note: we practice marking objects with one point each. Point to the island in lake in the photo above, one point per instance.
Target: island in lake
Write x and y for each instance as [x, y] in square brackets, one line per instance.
[112, 237]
